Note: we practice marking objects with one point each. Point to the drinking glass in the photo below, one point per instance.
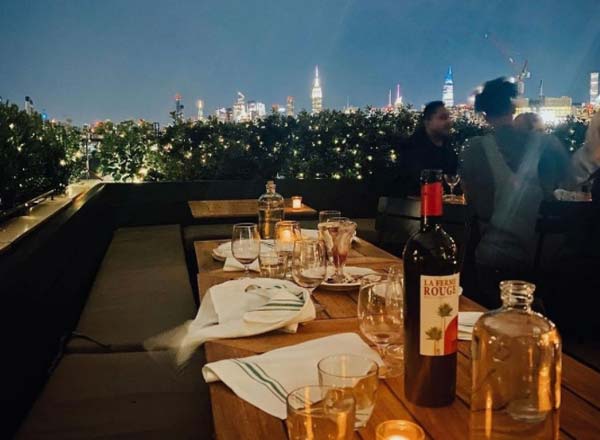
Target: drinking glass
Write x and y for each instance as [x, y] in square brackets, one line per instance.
[273, 264]
[380, 315]
[399, 429]
[286, 233]
[245, 244]
[318, 412]
[452, 180]
[309, 263]
[355, 374]
[337, 236]
[326, 215]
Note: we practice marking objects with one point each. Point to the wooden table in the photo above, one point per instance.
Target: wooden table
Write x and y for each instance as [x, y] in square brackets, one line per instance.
[215, 209]
[237, 419]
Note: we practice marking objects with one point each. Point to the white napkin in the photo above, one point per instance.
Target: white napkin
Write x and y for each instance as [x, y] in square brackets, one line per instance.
[466, 322]
[265, 380]
[229, 311]
[571, 196]
[233, 265]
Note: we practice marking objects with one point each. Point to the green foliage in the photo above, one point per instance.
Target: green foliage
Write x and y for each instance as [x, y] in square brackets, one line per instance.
[36, 156]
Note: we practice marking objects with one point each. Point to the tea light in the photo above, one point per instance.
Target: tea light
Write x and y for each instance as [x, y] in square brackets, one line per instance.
[296, 202]
[399, 430]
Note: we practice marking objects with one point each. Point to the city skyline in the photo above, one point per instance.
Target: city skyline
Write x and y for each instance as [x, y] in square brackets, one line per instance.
[118, 60]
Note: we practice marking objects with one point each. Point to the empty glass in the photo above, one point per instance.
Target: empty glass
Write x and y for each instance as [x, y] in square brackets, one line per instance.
[356, 374]
[245, 244]
[326, 215]
[380, 316]
[309, 263]
[452, 180]
[319, 412]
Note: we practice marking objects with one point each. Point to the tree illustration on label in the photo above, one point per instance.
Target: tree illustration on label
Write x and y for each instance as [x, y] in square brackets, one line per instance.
[444, 311]
[434, 334]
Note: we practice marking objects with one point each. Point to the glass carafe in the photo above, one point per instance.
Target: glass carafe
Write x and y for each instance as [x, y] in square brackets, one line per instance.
[270, 211]
[516, 355]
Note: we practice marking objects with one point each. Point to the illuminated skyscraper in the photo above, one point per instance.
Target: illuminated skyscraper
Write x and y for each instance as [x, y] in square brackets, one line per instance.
[29, 108]
[178, 107]
[200, 106]
[317, 94]
[240, 113]
[289, 109]
[398, 101]
[448, 90]
[594, 96]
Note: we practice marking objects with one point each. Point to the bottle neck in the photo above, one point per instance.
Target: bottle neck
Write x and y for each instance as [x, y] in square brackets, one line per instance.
[517, 294]
[431, 205]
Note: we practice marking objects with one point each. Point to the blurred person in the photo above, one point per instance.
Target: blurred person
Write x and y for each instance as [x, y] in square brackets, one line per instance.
[529, 122]
[506, 175]
[428, 148]
[586, 160]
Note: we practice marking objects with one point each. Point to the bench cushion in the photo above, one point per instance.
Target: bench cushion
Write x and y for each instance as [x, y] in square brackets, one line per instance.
[141, 289]
[121, 395]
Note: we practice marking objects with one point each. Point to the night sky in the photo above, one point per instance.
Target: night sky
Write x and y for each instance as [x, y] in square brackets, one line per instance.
[119, 59]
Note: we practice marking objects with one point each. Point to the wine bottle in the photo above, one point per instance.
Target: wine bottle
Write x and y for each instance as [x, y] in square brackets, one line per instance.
[431, 277]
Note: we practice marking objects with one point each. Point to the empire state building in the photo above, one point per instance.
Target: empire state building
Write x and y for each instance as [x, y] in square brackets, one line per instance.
[317, 94]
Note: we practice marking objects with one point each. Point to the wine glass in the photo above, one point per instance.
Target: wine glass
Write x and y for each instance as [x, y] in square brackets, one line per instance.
[452, 180]
[380, 313]
[245, 244]
[309, 263]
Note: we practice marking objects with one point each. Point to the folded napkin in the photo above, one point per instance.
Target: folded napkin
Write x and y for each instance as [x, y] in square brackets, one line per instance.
[466, 322]
[233, 265]
[571, 196]
[238, 308]
[265, 380]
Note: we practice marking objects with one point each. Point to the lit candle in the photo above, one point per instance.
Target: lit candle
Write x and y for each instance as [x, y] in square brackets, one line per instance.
[399, 430]
[296, 202]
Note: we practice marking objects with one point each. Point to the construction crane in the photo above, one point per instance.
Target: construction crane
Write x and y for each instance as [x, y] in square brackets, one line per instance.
[521, 74]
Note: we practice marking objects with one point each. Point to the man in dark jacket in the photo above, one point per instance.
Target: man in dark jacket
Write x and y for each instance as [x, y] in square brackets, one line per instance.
[427, 148]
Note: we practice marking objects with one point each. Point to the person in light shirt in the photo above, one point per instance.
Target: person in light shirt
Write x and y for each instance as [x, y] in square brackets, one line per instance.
[505, 176]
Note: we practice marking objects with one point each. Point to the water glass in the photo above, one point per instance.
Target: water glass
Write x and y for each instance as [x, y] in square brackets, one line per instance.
[273, 264]
[245, 244]
[320, 413]
[326, 215]
[355, 374]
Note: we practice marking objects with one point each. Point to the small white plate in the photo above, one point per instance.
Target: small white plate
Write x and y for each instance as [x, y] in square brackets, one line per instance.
[223, 251]
[348, 270]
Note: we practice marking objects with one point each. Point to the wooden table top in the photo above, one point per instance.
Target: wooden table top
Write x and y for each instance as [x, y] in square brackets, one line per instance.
[213, 209]
[235, 419]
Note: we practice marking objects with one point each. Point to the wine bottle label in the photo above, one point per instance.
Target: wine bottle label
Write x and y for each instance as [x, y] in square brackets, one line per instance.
[431, 199]
[439, 314]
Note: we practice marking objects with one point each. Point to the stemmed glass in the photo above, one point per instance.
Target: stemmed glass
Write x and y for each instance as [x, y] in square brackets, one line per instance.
[380, 314]
[245, 244]
[452, 180]
[309, 263]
